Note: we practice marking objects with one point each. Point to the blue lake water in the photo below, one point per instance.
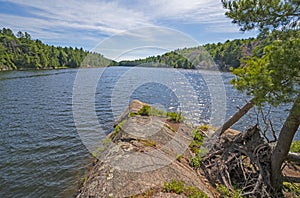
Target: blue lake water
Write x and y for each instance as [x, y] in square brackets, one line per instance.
[41, 152]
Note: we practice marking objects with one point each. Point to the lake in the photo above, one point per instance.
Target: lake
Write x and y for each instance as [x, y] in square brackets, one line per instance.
[45, 125]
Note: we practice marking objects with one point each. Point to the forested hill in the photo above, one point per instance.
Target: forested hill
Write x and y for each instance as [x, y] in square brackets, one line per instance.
[223, 55]
[20, 51]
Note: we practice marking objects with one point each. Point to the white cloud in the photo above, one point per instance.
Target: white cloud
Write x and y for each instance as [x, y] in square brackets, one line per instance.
[91, 21]
[107, 17]
[190, 11]
[71, 17]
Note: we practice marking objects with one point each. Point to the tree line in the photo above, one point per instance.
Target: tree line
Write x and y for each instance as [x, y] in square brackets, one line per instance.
[223, 56]
[20, 51]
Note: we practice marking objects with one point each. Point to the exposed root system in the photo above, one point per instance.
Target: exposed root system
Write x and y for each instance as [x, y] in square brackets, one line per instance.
[241, 161]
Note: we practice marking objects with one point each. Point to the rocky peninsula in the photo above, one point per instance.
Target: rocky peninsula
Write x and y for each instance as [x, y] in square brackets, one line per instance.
[147, 155]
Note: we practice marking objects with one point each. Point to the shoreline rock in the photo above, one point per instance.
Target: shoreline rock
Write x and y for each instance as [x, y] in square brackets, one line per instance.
[141, 155]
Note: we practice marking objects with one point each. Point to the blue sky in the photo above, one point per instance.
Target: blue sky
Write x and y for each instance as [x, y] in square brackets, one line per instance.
[80, 23]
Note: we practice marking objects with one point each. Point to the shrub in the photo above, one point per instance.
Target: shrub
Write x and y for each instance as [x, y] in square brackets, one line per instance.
[195, 148]
[147, 110]
[132, 114]
[204, 127]
[157, 112]
[196, 144]
[226, 193]
[117, 129]
[176, 117]
[144, 111]
[195, 162]
[174, 186]
[178, 187]
[193, 192]
[293, 189]
[198, 136]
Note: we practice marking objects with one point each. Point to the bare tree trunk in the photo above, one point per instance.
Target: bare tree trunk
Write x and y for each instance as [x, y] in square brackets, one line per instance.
[285, 139]
[236, 117]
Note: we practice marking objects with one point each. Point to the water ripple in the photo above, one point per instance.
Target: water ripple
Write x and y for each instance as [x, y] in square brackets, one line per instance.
[42, 154]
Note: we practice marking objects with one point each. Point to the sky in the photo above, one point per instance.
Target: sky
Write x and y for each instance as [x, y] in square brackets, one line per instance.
[93, 23]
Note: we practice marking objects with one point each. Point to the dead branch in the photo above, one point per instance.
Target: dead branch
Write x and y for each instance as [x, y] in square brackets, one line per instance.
[291, 179]
[236, 117]
[293, 157]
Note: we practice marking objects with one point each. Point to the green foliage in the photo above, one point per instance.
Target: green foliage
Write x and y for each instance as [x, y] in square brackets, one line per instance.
[178, 187]
[272, 77]
[198, 136]
[179, 157]
[147, 110]
[293, 189]
[195, 147]
[144, 111]
[22, 52]
[132, 114]
[174, 186]
[226, 193]
[106, 141]
[195, 162]
[204, 127]
[176, 117]
[295, 146]
[96, 153]
[226, 55]
[171, 59]
[263, 15]
[193, 192]
[84, 180]
[117, 129]
[197, 141]
[157, 112]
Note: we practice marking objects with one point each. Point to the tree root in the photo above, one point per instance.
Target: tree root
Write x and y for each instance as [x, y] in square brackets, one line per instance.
[243, 163]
